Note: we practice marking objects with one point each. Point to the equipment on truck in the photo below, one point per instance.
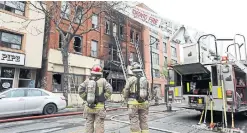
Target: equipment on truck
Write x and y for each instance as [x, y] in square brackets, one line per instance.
[205, 74]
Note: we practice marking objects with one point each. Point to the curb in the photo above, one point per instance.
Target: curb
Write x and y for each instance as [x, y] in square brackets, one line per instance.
[49, 116]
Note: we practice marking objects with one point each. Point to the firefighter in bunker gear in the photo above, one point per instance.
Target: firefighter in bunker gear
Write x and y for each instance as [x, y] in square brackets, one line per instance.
[156, 95]
[136, 93]
[95, 91]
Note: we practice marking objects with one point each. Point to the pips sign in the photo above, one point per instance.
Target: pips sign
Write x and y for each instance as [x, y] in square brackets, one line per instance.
[12, 58]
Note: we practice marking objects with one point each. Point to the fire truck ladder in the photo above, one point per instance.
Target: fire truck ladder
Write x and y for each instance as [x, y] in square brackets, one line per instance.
[238, 63]
[120, 54]
[140, 58]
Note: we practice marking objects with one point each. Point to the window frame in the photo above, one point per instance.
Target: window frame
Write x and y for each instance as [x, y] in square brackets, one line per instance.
[108, 23]
[174, 54]
[77, 20]
[24, 11]
[95, 26]
[92, 55]
[10, 43]
[155, 60]
[132, 40]
[81, 44]
[155, 74]
[65, 14]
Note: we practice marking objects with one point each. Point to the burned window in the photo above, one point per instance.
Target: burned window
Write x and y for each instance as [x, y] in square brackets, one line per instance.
[56, 82]
[121, 31]
[77, 44]
[107, 27]
[137, 38]
[131, 36]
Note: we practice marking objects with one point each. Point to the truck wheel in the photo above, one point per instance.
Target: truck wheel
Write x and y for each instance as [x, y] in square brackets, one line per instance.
[50, 109]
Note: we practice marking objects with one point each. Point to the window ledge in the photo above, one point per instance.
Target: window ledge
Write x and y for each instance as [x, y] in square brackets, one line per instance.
[12, 50]
[13, 14]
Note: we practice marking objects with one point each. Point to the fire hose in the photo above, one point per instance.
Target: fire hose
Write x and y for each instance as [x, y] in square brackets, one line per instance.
[153, 128]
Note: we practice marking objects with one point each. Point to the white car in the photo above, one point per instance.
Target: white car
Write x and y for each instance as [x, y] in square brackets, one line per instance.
[27, 101]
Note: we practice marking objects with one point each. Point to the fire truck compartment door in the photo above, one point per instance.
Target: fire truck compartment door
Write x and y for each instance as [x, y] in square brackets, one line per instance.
[177, 92]
[194, 68]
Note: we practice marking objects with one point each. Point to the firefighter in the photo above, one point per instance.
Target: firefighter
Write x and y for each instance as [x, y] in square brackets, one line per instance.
[156, 95]
[95, 91]
[135, 93]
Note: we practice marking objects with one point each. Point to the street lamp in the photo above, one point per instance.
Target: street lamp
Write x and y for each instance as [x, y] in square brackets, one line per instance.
[151, 54]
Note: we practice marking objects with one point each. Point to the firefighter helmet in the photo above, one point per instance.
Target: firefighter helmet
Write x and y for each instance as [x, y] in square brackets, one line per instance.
[96, 70]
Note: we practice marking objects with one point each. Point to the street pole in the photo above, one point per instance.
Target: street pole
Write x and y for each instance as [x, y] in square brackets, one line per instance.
[152, 73]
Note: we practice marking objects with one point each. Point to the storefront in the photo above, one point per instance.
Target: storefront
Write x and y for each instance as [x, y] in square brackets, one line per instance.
[13, 73]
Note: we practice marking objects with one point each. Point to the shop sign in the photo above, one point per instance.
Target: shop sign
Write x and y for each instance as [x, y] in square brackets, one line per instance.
[12, 58]
[6, 85]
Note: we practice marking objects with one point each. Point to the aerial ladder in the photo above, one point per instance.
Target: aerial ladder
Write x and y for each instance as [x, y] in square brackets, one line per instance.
[120, 54]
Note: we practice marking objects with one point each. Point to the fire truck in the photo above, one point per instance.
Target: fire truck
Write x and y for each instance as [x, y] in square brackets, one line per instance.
[206, 75]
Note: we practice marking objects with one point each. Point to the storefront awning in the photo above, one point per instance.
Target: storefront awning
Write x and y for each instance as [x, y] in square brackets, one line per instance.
[115, 75]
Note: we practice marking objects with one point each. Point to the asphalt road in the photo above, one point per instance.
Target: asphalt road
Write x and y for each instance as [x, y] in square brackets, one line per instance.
[179, 121]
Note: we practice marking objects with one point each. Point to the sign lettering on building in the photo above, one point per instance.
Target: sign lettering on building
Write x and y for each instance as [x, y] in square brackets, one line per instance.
[12, 58]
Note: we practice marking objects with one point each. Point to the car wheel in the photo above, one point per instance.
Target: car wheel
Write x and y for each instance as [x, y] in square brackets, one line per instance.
[49, 109]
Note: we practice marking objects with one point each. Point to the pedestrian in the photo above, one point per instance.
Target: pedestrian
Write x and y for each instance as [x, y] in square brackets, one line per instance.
[156, 95]
[135, 93]
[95, 91]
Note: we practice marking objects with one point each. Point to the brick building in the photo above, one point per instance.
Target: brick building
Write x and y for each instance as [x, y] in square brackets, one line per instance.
[95, 47]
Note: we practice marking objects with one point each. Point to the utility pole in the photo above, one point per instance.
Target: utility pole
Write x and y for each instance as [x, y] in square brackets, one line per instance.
[151, 54]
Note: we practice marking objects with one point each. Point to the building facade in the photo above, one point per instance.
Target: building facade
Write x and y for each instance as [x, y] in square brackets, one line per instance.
[21, 44]
[95, 47]
[162, 51]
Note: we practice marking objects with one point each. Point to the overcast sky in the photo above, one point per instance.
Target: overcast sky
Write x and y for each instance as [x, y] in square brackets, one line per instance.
[224, 18]
[221, 17]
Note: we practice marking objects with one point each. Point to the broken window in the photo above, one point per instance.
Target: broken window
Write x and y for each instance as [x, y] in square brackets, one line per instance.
[131, 36]
[56, 82]
[121, 31]
[77, 44]
[107, 27]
